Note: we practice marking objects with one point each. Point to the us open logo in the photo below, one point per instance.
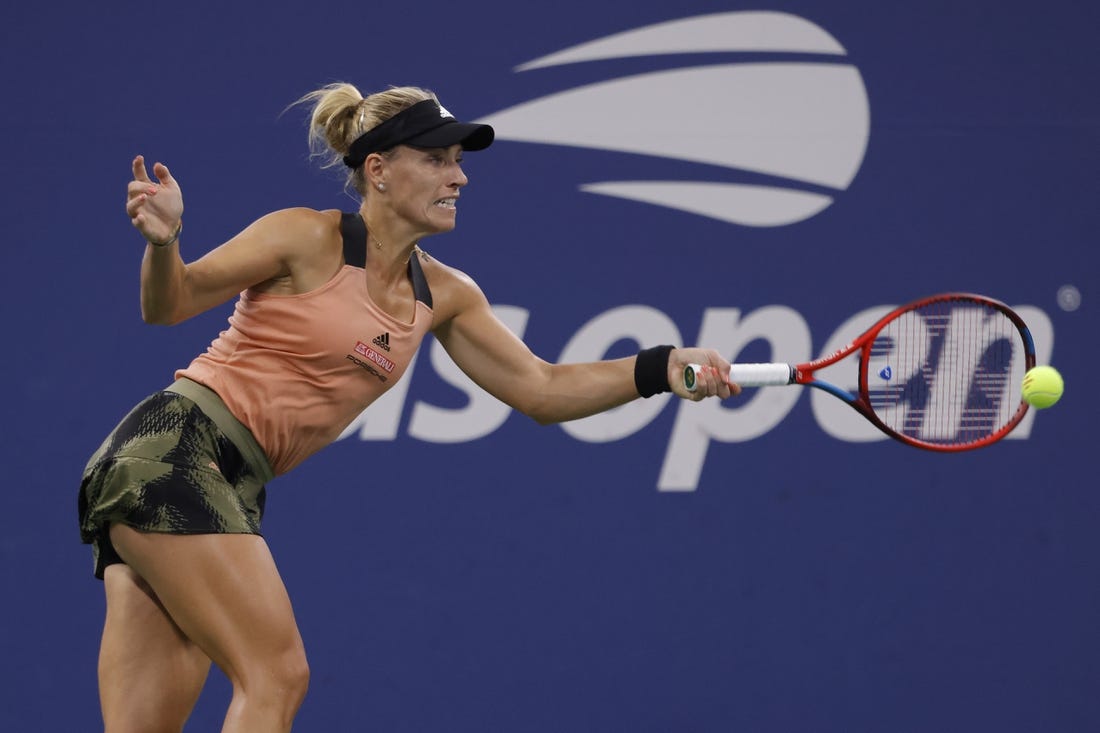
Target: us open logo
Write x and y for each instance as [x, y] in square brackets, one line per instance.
[779, 133]
[792, 134]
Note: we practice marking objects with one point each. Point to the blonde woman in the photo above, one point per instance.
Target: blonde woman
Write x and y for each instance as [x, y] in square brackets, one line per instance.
[331, 309]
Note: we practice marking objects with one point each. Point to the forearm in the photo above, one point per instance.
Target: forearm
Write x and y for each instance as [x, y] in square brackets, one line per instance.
[501, 364]
[162, 284]
[573, 391]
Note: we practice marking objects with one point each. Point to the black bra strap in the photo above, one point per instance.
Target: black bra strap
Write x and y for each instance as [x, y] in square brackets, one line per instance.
[354, 232]
[420, 283]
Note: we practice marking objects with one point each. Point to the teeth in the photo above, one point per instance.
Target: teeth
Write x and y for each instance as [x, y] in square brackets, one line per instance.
[446, 203]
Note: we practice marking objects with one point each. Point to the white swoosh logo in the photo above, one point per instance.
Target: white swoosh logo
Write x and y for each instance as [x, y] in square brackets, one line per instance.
[737, 31]
[805, 122]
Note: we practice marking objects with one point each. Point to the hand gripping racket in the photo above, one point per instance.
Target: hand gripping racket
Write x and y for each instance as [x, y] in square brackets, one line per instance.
[941, 373]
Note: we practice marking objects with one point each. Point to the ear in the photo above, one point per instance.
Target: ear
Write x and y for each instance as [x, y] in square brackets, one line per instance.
[374, 170]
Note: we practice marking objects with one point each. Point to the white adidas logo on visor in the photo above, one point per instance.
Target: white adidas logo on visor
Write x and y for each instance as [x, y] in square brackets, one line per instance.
[804, 123]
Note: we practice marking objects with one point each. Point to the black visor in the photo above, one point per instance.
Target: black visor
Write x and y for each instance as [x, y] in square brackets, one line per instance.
[426, 124]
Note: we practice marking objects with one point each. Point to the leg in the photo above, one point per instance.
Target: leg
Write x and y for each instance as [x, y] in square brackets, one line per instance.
[150, 674]
[224, 592]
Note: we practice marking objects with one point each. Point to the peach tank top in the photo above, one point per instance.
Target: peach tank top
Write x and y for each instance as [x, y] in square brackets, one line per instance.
[297, 369]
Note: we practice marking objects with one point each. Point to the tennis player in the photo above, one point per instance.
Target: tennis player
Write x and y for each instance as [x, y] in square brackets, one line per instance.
[331, 309]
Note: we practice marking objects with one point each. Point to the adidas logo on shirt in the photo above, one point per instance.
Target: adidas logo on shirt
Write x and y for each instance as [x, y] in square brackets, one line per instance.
[383, 341]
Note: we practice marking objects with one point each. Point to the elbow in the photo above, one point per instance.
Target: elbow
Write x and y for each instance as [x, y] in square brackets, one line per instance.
[542, 419]
[164, 302]
[158, 317]
[540, 410]
[159, 310]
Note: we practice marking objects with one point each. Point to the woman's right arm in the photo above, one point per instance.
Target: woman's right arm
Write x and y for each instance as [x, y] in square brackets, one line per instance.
[172, 291]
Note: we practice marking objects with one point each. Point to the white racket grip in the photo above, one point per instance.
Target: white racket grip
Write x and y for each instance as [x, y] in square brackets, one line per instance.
[746, 375]
[761, 375]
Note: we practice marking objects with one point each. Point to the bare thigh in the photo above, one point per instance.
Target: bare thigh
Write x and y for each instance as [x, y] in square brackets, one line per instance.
[225, 594]
[150, 673]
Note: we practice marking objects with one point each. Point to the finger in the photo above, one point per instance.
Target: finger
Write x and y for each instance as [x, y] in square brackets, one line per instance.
[134, 205]
[713, 379]
[140, 174]
[160, 170]
[723, 372]
[723, 388]
[704, 384]
[140, 188]
[138, 203]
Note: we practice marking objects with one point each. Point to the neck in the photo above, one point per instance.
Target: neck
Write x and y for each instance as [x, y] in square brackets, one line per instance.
[385, 234]
[388, 241]
[388, 248]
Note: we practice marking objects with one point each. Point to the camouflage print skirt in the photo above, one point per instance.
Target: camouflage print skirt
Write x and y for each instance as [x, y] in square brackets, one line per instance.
[178, 463]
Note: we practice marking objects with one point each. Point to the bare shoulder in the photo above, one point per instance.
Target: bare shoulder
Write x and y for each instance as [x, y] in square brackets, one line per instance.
[292, 250]
[297, 225]
[453, 291]
[305, 240]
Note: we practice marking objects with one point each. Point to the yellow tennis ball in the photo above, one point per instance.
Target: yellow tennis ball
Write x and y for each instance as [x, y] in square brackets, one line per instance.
[1042, 386]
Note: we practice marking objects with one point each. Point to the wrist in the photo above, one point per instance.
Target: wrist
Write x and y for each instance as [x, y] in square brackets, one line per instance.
[171, 240]
[651, 370]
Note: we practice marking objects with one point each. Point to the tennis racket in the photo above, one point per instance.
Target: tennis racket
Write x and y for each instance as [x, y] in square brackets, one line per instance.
[941, 373]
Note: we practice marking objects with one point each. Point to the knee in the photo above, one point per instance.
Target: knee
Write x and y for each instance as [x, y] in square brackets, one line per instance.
[281, 680]
[294, 675]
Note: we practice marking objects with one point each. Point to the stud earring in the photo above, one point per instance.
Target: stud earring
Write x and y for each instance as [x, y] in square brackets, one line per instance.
[381, 187]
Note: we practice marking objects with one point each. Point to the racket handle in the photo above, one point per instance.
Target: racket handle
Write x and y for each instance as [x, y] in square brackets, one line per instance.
[746, 375]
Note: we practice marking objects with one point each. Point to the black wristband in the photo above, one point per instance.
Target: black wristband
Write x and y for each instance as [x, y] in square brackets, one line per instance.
[651, 370]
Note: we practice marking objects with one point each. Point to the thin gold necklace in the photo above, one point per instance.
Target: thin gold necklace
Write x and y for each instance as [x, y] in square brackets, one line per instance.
[378, 242]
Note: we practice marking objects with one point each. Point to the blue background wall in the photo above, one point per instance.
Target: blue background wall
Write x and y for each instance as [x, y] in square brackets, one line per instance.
[530, 579]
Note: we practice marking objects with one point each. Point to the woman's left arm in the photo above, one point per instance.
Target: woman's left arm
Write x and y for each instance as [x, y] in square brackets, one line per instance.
[501, 364]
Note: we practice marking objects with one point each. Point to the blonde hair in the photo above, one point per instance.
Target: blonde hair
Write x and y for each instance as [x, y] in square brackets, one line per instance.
[340, 114]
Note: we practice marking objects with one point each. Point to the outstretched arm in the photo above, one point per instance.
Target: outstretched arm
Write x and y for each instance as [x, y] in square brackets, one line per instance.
[501, 364]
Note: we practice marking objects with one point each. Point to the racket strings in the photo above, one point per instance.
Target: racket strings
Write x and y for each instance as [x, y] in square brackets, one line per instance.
[942, 373]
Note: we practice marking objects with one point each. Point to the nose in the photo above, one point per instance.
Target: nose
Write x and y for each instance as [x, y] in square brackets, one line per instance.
[459, 180]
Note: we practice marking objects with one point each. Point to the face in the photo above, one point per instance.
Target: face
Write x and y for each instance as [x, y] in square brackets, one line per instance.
[423, 186]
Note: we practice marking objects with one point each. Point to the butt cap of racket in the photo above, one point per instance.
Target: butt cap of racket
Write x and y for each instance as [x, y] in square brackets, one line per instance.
[691, 376]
